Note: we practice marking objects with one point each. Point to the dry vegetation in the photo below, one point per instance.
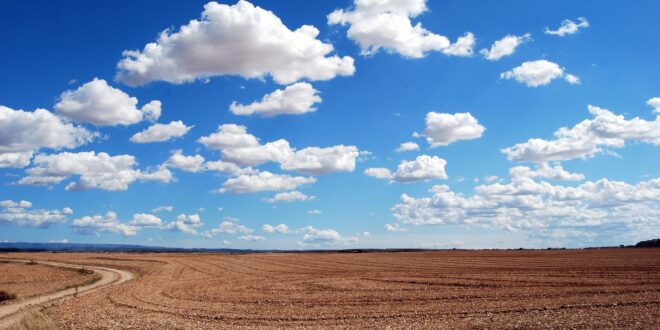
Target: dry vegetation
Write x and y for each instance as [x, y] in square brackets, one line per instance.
[610, 288]
[22, 280]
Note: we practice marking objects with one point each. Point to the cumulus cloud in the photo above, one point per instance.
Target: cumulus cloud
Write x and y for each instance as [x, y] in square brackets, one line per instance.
[505, 46]
[239, 147]
[185, 163]
[163, 208]
[407, 146]
[395, 227]
[376, 25]
[443, 129]
[568, 27]
[146, 220]
[317, 161]
[251, 238]
[526, 203]
[102, 171]
[21, 213]
[295, 99]
[242, 40]
[378, 173]
[327, 237]
[587, 138]
[655, 103]
[185, 223]
[100, 104]
[314, 212]
[228, 226]
[464, 46]
[423, 168]
[544, 171]
[22, 133]
[263, 181]
[288, 197]
[95, 225]
[161, 132]
[539, 73]
[227, 167]
[281, 228]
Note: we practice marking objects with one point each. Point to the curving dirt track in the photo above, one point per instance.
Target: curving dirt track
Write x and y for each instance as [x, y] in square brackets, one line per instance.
[108, 276]
[608, 288]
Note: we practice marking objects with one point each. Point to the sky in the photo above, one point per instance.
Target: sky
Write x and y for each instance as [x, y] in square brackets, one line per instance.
[330, 124]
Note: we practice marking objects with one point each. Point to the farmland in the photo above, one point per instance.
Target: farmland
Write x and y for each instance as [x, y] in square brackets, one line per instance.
[27, 280]
[614, 288]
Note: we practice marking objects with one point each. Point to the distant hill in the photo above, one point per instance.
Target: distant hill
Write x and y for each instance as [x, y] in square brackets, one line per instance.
[649, 243]
[80, 247]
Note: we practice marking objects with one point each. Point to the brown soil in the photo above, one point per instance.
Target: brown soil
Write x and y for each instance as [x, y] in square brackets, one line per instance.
[27, 280]
[609, 288]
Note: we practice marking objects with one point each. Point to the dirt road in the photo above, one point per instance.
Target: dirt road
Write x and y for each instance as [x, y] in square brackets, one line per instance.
[109, 276]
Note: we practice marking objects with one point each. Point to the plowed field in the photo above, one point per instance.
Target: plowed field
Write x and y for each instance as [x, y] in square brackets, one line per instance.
[607, 288]
[25, 280]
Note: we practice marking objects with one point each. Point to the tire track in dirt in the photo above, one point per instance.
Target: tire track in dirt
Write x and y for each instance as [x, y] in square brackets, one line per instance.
[109, 276]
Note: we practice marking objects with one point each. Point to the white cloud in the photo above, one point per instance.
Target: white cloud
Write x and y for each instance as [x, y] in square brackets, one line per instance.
[22, 133]
[386, 24]
[314, 212]
[572, 79]
[103, 223]
[239, 40]
[443, 129]
[251, 238]
[655, 103]
[539, 73]
[568, 27]
[378, 172]
[227, 167]
[395, 227]
[163, 208]
[21, 214]
[528, 204]
[185, 223]
[317, 161]
[464, 46]
[587, 138]
[423, 168]
[145, 220]
[186, 163]
[327, 237]
[228, 226]
[263, 181]
[545, 171]
[289, 196]
[161, 132]
[98, 103]
[281, 228]
[505, 46]
[407, 146]
[102, 171]
[239, 147]
[295, 99]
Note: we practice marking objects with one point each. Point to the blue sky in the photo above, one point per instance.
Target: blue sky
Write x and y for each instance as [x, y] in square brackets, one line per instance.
[354, 84]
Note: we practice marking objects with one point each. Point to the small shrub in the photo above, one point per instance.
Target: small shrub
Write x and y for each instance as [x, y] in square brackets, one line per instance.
[32, 262]
[4, 295]
[85, 271]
